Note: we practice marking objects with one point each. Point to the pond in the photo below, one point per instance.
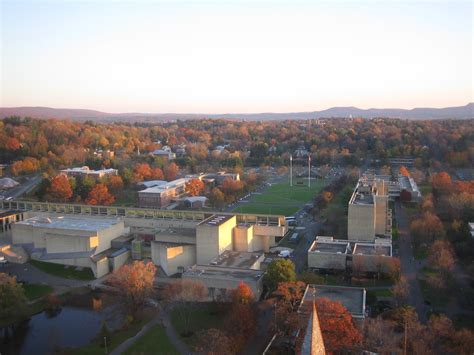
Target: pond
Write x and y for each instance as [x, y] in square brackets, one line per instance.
[76, 323]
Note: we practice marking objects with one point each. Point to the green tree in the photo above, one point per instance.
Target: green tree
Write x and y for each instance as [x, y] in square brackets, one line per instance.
[280, 270]
[12, 297]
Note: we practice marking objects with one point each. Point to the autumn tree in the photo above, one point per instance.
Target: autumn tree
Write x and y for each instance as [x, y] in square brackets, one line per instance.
[115, 183]
[134, 283]
[184, 294]
[214, 342]
[441, 256]
[194, 187]
[99, 195]
[280, 270]
[241, 319]
[404, 171]
[337, 326]
[142, 172]
[243, 294]
[441, 181]
[12, 297]
[427, 228]
[401, 290]
[171, 171]
[380, 336]
[60, 189]
[216, 197]
[157, 174]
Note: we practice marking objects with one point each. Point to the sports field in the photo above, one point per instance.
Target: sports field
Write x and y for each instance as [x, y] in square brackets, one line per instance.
[281, 199]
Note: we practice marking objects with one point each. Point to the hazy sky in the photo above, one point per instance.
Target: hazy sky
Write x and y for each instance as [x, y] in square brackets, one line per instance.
[230, 56]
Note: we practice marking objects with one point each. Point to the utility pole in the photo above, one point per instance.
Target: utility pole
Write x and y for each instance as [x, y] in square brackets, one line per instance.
[291, 170]
[405, 341]
[309, 170]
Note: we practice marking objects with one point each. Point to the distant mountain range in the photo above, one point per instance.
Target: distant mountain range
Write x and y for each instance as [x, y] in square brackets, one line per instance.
[459, 112]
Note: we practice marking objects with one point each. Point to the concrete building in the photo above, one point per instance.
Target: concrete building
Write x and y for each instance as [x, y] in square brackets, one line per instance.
[165, 153]
[219, 280]
[352, 298]
[162, 195]
[409, 185]
[372, 257]
[84, 171]
[213, 237]
[75, 241]
[327, 253]
[7, 218]
[369, 216]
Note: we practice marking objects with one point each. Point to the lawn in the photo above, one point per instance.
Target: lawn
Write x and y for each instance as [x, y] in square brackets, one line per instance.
[69, 272]
[155, 341]
[96, 347]
[281, 199]
[35, 291]
[384, 292]
[202, 317]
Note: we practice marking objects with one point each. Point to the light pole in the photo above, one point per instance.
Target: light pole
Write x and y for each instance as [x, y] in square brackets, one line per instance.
[291, 170]
[105, 343]
[309, 170]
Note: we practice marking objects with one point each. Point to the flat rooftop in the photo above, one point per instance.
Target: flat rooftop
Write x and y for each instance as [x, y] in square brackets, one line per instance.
[372, 249]
[73, 223]
[353, 298]
[187, 232]
[363, 199]
[216, 220]
[329, 247]
[236, 259]
[223, 273]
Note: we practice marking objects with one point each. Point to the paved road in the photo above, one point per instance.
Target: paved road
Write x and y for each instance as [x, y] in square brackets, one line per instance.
[300, 254]
[410, 267]
[23, 188]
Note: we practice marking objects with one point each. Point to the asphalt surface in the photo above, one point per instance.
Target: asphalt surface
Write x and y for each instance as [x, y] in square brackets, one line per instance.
[409, 266]
[23, 188]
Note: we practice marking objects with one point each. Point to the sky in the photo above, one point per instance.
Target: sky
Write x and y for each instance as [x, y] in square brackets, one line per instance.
[235, 56]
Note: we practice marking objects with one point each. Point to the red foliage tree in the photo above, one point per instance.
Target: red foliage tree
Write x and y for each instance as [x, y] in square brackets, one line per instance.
[99, 195]
[157, 174]
[142, 172]
[60, 189]
[12, 144]
[115, 183]
[337, 326]
[441, 181]
[194, 187]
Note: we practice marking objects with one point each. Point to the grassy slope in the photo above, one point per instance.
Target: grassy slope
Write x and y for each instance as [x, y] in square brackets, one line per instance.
[61, 271]
[35, 291]
[155, 341]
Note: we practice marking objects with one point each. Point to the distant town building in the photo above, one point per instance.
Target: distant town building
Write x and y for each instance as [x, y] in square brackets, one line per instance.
[7, 218]
[165, 153]
[8, 183]
[84, 171]
[163, 194]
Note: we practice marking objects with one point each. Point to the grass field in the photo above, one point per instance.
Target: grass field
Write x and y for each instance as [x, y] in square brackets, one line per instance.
[62, 271]
[281, 199]
[35, 291]
[155, 341]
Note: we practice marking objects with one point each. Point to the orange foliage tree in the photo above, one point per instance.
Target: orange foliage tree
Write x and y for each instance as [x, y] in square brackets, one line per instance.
[134, 283]
[404, 171]
[115, 183]
[337, 326]
[142, 172]
[441, 181]
[243, 294]
[60, 189]
[157, 174]
[99, 195]
[171, 171]
[194, 187]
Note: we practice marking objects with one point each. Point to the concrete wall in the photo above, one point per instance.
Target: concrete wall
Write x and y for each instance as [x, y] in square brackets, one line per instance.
[153, 224]
[381, 210]
[101, 268]
[119, 260]
[261, 243]
[175, 238]
[243, 238]
[180, 256]
[106, 236]
[213, 240]
[171, 258]
[221, 287]
[361, 222]
[277, 231]
[371, 263]
[65, 244]
[327, 261]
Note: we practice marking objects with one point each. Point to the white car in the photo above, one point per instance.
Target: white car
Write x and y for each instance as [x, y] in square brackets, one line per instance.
[285, 254]
[3, 260]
